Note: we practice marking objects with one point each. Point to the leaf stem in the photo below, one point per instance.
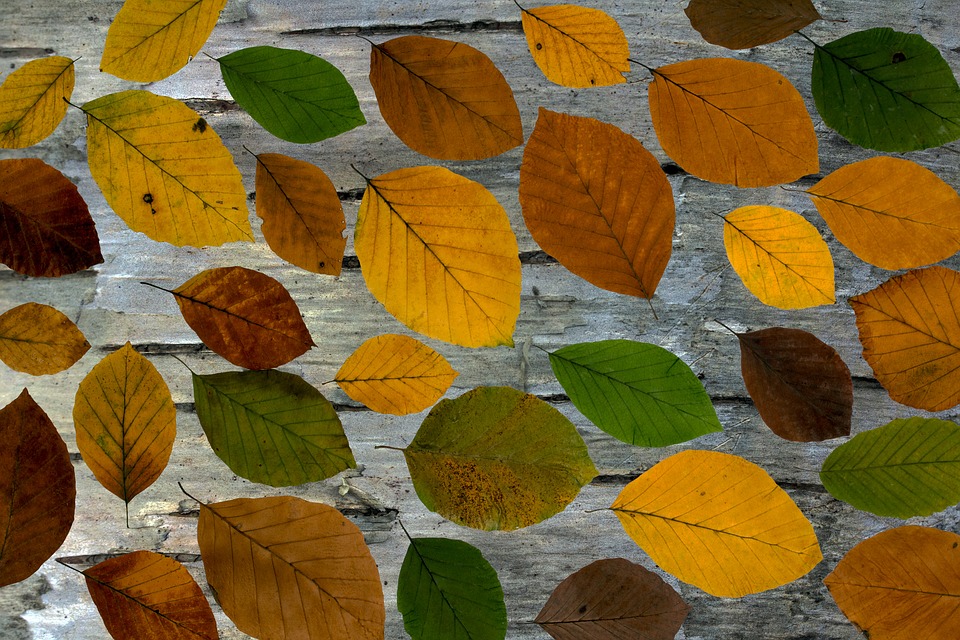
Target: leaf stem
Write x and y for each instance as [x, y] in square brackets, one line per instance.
[726, 327]
[652, 70]
[180, 484]
[808, 39]
[405, 532]
[63, 561]
[365, 178]
[186, 366]
[244, 147]
[600, 509]
[155, 286]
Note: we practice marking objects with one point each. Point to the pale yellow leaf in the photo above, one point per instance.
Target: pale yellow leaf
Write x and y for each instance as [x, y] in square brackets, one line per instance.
[33, 101]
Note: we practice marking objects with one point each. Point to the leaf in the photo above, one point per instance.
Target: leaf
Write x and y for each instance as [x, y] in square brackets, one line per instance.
[637, 392]
[910, 331]
[444, 99]
[47, 227]
[744, 24]
[164, 170]
[779, 256]
[314, 575]
[576, 46]
[33, 101]
[908, 467]
[800, 385]
[438, 251]
[147, 595]
[245, 316]
[748, 535]
[733, 122]
[613, 598]
[39, 340]
[886, 90]
[271, 427]
[901, 584]
[395, 374]
[595, 199]
[302, 216]
[294, 95]
[448, 590]
[126, 422]
[497, 458]
[148, 40]
[37, 489]
[891, 212]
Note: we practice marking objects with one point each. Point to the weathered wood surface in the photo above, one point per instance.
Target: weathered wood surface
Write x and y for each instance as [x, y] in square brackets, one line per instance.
[111, 307]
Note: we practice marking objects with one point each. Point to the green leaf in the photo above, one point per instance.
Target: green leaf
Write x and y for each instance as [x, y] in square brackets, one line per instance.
[637, 392]
[271, 427]
[497, 458]
[294, 95]
[448, 591]
[909, 467]
[887, 90]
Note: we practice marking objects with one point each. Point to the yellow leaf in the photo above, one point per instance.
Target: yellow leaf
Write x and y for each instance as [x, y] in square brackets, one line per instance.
[39, 340]
[891, 212]
[395, 374]
[780, 257]
[438, 251]
[576, 46]
[164, 170]
[733, 122]
[33, 101]
[718, 522]
[444, 99]
[149, 40]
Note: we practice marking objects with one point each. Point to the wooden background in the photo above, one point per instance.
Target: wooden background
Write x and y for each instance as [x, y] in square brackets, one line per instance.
[698, 289]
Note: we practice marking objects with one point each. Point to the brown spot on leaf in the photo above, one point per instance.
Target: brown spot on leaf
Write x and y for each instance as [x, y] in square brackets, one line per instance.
[898, 56]
[148, 198]
[539, 46]
[200, 125]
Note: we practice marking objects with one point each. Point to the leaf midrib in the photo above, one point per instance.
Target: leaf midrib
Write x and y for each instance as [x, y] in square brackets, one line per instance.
[572, 38]
[163, 27]
[11, 130]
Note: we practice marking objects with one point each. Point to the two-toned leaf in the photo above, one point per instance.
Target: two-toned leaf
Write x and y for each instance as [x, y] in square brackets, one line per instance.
[596, 200]
[271, 427]
[164, 170]
[748, 534]
[305, 560]
[497, 458]
[47, 228]
[39, 340]
[743, 24]
[910, 331]
[33, 101]
[637, 392]
[395, 374]
[38, 489]
[438, 251]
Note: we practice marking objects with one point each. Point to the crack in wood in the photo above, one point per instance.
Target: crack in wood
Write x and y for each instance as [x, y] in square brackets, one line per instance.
[433, 26]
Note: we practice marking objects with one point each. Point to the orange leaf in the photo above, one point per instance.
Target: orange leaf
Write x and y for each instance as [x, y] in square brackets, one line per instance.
[302, 217]
[595, 199]
[33, 101]
[395, 374]
[910, 331]
[147, 595]
[444, 99]
[283, 567]
[743, 24]
[891, 212]
[47, 228]
[576, 46]
[733, 122]
[245, 316]
[37, 489]
[901, 584]
[39, 340]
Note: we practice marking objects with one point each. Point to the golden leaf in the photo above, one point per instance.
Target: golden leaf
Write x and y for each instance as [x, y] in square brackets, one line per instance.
[33, 101]
[39, 340]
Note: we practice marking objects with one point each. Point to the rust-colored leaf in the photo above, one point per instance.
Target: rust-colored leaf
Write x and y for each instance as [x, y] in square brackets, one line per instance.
[33, 101]
[595, 199]
[37, 489]
[45, 227]
[39, 340]
[742, 24]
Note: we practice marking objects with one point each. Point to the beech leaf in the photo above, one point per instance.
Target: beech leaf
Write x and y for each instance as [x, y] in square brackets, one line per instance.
[39, 340]
[744, 24]
[33, 101]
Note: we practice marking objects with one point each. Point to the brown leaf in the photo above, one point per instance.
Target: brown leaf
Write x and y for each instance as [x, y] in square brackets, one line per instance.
[283, 567]
[801, 386]
[46, 227]
[37, 489]
[613, 599]
[39, 340]
[147, 595]
[742, 24]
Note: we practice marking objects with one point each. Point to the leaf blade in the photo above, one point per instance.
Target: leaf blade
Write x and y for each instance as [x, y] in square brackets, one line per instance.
[744, 24]
[39, 340]
[33, 101]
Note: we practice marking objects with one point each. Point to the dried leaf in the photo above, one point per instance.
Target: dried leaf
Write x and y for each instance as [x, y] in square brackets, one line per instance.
[748, 535]
[743, 24]
[47, 227]
[733, 122]
[444, 99]
[395, 374]
[33, 101]
[438, 251]
[283, 567]
[39, 340]
[595, 199]
[37, 489]
[910, 331]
